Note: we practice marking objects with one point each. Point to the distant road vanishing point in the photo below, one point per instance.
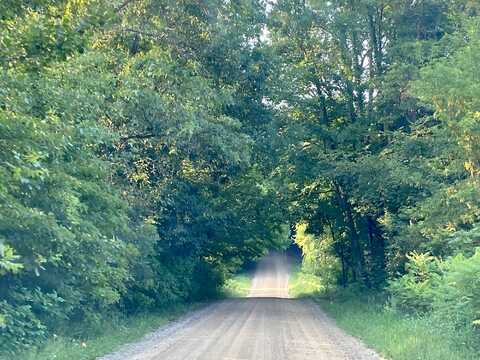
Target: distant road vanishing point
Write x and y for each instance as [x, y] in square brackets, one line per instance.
[267, 325]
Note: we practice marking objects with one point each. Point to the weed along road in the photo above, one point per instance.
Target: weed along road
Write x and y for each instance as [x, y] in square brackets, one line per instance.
[267, 325]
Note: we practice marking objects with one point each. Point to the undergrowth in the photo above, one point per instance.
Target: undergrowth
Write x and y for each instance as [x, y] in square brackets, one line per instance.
[115, 332]
[393, 334]
[238, 286]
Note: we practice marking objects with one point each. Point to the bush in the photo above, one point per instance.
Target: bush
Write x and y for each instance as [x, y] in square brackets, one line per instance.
[458, 296]
[414, 292]
[319, 258]
[19, 327]
[449, 291]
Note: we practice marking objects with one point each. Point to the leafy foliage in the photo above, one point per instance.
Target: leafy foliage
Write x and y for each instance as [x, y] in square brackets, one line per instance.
[380, 159]
[149, 148]
[318, 256]
[127, 176]
[416, 290]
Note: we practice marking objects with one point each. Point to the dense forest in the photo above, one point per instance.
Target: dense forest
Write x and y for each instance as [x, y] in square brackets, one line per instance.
[149, 148]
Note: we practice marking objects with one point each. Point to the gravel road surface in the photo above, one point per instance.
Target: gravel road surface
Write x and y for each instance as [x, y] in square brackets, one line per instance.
[267, 325]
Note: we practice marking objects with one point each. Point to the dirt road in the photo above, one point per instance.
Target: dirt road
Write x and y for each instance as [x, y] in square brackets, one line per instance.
[265, 326]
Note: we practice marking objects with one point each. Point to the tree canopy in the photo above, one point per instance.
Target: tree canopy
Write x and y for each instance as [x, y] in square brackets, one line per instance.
[149, 148]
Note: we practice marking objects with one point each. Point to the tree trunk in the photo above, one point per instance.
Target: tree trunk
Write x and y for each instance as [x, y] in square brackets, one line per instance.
[344, 279]
[358, 258]
[377, 249]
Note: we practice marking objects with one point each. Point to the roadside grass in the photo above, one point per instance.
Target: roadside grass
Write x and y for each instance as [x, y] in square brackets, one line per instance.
[394, 335]
[397, 336]
[238, 286]
[114, 333]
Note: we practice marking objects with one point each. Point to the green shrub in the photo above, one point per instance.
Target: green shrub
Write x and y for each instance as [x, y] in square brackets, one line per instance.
[319, 258]
[448, 291]
[415, 291]
[19, 327]
[457, 299]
